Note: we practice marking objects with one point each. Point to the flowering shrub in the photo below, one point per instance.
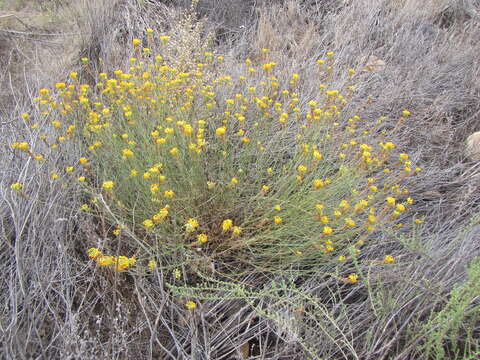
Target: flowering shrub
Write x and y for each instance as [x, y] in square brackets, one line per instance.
[187, 163]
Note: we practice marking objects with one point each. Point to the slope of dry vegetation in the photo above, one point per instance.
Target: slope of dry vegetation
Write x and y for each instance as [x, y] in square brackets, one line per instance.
[56, 303]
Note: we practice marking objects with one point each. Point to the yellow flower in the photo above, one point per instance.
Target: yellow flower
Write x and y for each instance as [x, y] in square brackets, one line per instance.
[21, 145]
[107, 185]
[277, 207]
[400, 207]
[38, 157]
[93, 253]
[277, 220]
[82, 179]
[406, 113]
[317, 155]
[227, 224]
[148, 223]
[152, 264]
[164, 38]
[388, 145]
[84, 207]
[16, 186]
[55, 176]
[302, 168]
[117, 232]
[169, 193]
[318, 183]
[83, 160]
[341, 258]
[190, 305]
[127, 152]
[105, 260]
[327, 230]
[174, 151]
[234, 181]
[418, 221]
[269, 66]
[191, 225]
[352, 278]
[122, 263]
[390, 201]
[160, 216]
[237, 230]
[210, 184]
[221, 131]
[349, 222]
[136, 42]
[177, 273]
[388, 259]
[154, 188]
[202, 238]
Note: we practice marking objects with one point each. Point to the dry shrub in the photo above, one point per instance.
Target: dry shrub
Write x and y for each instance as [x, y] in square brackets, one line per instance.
[50, 290]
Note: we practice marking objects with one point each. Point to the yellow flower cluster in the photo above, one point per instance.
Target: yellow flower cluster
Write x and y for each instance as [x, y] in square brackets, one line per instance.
[118, 263]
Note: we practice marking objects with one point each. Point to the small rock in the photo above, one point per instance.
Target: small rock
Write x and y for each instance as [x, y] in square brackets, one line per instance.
[473, 147]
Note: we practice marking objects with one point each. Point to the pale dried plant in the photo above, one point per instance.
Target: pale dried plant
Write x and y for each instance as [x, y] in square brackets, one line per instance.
[52, 297]
[285, 31]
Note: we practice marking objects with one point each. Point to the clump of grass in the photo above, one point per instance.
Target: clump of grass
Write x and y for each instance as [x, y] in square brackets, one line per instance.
[184, 162]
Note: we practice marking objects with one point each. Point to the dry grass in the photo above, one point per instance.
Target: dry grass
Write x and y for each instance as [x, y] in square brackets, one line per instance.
[55, 304]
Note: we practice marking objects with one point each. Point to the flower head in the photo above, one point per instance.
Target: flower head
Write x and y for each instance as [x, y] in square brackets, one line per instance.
[16, 186]
[352, 278]
[190, 305]
[191, 225]
[93, 253]
[107, 185]
[105, 260]
[327, 230]
[277, 220]
[202, 238]
[227, 224]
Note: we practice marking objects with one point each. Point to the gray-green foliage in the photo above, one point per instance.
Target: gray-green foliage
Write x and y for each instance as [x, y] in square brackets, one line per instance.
[450, 330]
